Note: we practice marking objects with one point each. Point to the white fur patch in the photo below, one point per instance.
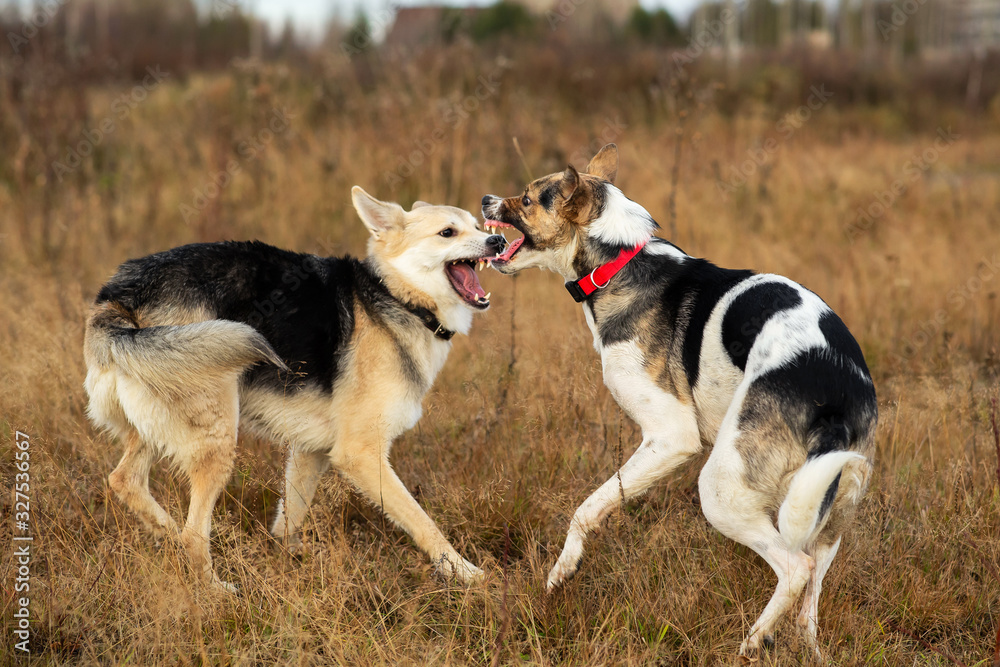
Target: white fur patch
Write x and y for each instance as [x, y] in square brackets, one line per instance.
[622, 222]
[798, 518]
[658, 412]
[658, 246]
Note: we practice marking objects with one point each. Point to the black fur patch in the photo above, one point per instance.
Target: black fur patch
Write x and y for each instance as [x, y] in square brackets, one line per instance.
[302, 304]
[548, 195]
[693, 297]
[828, 434]
[681, 295]
[749, 312]
[840, 340]
[826, 405]
[831, 495]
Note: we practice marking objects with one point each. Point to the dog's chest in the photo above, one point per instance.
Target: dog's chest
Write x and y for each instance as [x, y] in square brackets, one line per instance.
[627, 374]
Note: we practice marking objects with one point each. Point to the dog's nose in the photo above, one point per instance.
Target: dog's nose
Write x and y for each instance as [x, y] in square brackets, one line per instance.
[497, 243]
[487, 200]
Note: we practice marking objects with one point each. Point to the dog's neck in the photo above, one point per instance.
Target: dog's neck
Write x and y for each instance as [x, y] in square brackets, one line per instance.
[590, 254]
[620, 224]
[454, 317]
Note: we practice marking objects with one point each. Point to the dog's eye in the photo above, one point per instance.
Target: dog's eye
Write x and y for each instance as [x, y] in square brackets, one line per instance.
[526, 200]
[449, 232]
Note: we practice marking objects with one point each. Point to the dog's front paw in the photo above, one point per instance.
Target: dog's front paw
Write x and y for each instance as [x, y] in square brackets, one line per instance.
[293, 544]
[224, 586]
[566, 566]
[559, 575]
[460, 569]
[752, 648]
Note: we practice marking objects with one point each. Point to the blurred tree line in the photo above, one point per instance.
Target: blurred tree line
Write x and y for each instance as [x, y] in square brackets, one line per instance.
[861, 48]
[101, 38]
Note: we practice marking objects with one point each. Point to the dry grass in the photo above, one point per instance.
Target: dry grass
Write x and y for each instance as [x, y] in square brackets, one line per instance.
[658, 584]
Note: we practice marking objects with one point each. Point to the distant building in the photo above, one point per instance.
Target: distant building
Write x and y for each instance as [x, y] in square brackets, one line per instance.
[417, 26]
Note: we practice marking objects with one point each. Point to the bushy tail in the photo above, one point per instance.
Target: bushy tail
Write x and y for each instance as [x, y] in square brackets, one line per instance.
[813, 491]
[175, 359]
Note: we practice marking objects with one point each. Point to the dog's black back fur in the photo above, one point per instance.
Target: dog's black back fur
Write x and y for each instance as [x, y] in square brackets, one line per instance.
[302, 304]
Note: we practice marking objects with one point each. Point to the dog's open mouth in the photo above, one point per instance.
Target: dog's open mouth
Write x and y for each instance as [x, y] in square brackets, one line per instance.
[512, 247]
[462, 274]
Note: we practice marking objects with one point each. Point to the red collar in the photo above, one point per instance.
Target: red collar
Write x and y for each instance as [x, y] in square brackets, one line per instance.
[602, 275]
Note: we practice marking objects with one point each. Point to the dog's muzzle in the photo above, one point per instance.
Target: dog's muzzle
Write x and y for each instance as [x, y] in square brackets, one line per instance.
[490, 203]
[496, 244]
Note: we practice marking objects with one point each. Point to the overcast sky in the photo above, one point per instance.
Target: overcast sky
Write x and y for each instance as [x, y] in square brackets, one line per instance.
[309, 16]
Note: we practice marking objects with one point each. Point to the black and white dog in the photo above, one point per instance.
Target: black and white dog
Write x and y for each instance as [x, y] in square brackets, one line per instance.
[755, 365]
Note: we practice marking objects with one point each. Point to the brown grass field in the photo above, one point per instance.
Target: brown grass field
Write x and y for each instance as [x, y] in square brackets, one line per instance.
[519, 428]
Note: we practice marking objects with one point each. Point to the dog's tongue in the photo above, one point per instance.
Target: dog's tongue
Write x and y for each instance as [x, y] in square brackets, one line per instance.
[464, 278]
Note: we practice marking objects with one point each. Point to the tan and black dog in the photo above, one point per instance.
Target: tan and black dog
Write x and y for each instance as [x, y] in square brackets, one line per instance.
[330, 355]
[754, 365]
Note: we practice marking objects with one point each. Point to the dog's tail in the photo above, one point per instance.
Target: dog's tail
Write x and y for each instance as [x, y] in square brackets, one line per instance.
[174, 359]
[832, 478]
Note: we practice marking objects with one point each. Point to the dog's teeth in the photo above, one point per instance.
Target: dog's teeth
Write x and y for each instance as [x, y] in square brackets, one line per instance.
[487, 297]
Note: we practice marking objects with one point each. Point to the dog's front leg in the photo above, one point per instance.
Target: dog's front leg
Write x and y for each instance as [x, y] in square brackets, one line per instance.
[302, 474]
[375, 478]
[654, 458]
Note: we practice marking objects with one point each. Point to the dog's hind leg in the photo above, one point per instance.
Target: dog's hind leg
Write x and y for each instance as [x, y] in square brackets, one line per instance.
[302, 474]
[675, 441]
[371, 474]
[824, 552]
[208, 462]
[130, 483]
[208, 474]
[741, 513]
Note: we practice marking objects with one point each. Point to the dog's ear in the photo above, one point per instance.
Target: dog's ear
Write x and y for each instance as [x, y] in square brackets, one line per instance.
[378, 216]
[576, 195]
[570, 183]
[605, 163]
[418, 204]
